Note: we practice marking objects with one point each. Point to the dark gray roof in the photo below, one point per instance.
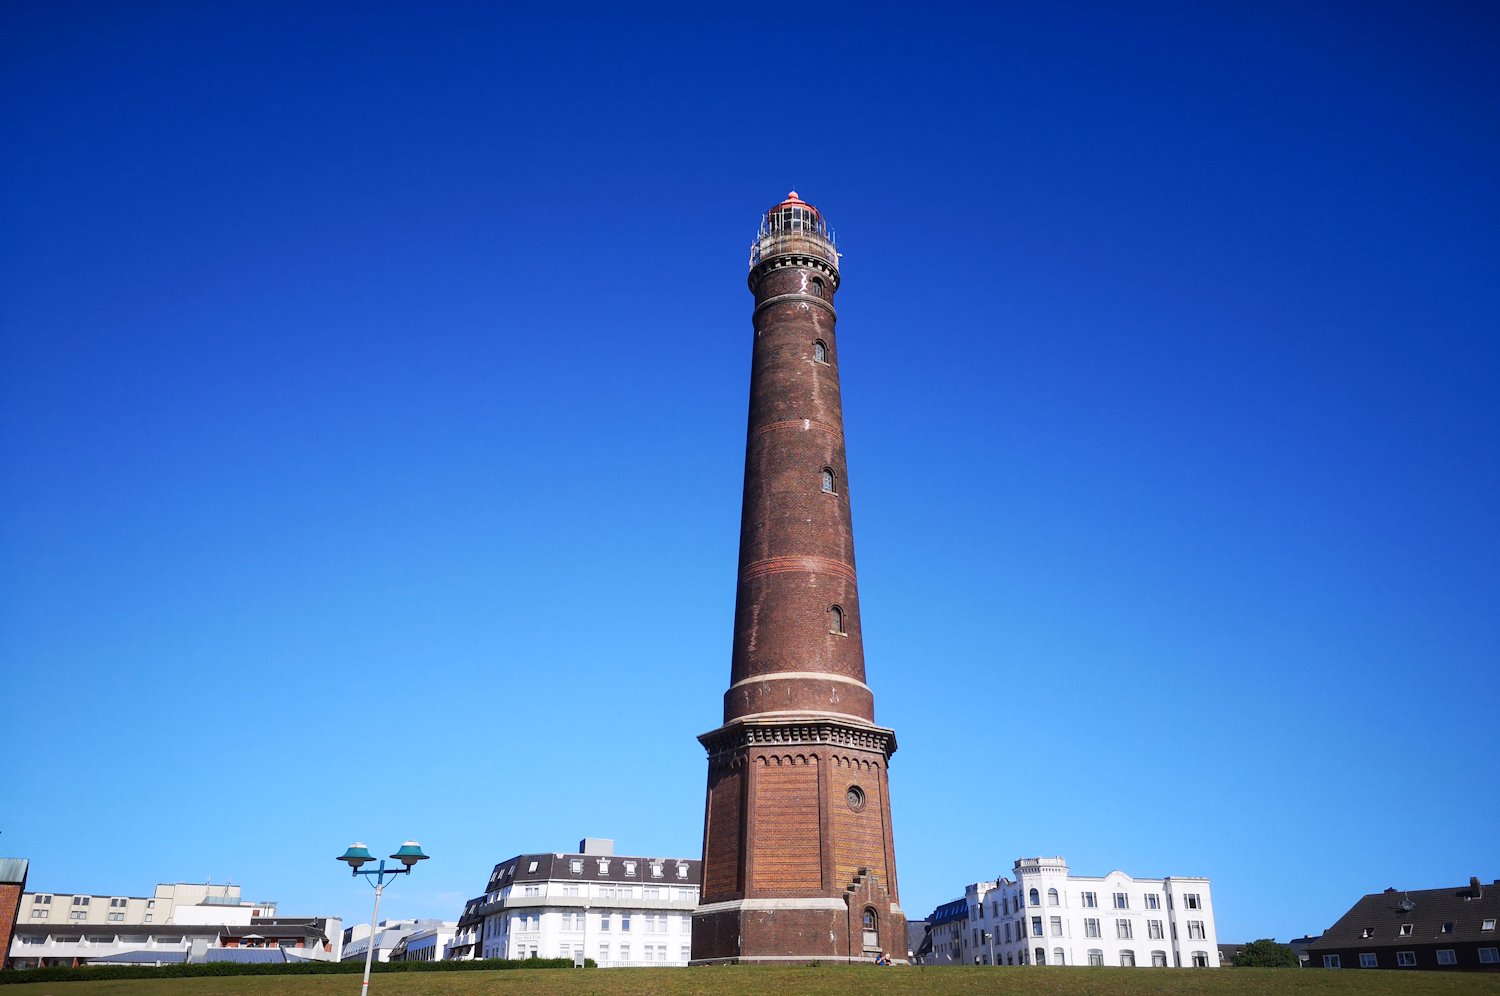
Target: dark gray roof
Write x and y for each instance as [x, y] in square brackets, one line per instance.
[143, 958]
[244, 956]
[958, 909]
[1428, 911]
[559, 867]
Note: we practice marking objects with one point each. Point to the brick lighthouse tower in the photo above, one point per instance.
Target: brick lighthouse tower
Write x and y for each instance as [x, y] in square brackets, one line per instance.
[798, 862]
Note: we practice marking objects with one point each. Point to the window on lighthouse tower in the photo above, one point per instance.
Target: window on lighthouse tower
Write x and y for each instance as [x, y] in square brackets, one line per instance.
[820, 351]
[835, 620]
[828, 481]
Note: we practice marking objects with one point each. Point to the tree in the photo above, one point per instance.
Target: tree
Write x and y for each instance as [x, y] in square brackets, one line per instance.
[1265, 953]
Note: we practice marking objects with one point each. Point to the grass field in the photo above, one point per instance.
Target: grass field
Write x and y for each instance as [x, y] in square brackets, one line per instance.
[841, 981]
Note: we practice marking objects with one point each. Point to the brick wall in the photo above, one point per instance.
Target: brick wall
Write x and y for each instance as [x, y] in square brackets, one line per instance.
[10, 908]
[787, 850]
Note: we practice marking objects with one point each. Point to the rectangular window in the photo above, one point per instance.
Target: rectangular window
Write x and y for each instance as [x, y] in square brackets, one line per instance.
[1123, 930]
[1127, 959]
[80, 900]
[78, 915]
[1488, 924]
[604, 919]
[656, 869]
[624, 921]
[1090, 900]
[1036, 926]
[1056, 925]
[531, 890]
[1122, 901]
[1192, 901]
[570, 890]
[603, 953]
[630, 867]
[1153, 901]
[1406, 959]
[531, 867]
[117, 916]
[1405, 930]
[1367, 932]
[1489, 956]
[650, 892]
[687, 952]
[117, 904]
[682, 871]
[624, 952]
[1158, 959]
[1331, 961]
[1153, 929]
[1447, 926]
[39, 912]
[1195, 930]
[1367, 960]
[1096, 957]
[576, 866]
[603, 866]
[1446, 956]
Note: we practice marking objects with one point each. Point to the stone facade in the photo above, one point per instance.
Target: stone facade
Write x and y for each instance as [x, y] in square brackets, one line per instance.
[799, 860]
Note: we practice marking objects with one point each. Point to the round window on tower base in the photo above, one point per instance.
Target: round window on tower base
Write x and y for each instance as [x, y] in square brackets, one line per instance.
[855, 797]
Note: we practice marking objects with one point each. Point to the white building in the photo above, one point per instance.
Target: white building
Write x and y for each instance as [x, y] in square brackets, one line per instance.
[174, 903]
[1046, 916]
[430, 942]
[593, 904]
[391, 936]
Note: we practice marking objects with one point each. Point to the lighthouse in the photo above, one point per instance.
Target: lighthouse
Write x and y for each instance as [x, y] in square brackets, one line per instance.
[798, 856]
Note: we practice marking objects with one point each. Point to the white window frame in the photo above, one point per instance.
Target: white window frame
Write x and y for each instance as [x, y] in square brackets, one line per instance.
[1367, 959]
[1406, 959]
[1447, 956]
[1331, 961]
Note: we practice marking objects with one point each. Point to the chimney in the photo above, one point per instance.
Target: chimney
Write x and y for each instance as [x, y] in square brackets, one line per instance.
[1475, 889]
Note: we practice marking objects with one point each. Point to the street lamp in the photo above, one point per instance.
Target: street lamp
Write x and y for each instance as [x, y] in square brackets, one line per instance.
[989, 938]
[358, 854]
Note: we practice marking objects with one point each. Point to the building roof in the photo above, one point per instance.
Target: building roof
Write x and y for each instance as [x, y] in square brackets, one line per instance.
[958, 909]
[13, 870]
[1429, 916]
[142, 958]
[244, 956]
[559, 867]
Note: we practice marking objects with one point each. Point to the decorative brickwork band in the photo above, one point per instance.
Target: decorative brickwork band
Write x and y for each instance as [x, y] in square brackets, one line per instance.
[793, 565]
[827, 731]
[797, 423]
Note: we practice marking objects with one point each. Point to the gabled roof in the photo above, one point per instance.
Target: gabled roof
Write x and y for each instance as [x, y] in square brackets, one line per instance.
[1424, 911]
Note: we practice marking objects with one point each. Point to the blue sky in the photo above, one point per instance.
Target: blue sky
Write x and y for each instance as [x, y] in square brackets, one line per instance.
[372, 397]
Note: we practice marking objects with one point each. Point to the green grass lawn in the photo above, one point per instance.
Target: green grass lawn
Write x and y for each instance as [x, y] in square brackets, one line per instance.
[840, 981]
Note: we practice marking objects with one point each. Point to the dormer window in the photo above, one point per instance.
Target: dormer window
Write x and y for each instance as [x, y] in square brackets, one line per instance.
[603, 866]
[576, 866]
[656, 869]
[630, 868]
[682, 871]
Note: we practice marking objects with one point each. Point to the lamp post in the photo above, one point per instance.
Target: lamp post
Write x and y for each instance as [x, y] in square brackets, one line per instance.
[358, 854]
[989, 938]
